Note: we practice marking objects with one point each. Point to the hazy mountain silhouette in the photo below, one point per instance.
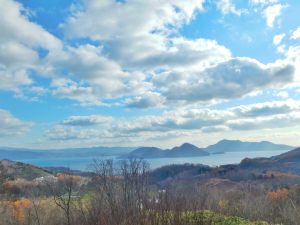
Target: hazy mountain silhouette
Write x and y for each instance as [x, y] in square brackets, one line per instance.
[241, 146]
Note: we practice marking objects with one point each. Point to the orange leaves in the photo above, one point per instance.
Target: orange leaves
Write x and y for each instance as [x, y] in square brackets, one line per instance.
[66, 177]
[278, 194]
[223, 204]
[19, 206]
[9, 185]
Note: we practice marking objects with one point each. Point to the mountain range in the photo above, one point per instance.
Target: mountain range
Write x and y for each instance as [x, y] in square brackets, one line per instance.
[185, 150]
[189, 150]
[23, 154]
[253, 169]
[243, 146]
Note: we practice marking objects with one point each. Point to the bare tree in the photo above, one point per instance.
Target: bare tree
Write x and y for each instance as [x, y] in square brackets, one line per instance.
[2, 176]
[63, 192]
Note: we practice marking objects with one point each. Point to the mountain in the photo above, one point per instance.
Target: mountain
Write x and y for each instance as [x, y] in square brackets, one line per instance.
[290, 156]
[240, 146]
[286, 162]
[23, 154]
[145, 152]
[185, 150]
[17, 170]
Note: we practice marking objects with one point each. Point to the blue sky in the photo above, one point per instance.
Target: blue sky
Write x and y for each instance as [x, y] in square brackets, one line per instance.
[130, 73]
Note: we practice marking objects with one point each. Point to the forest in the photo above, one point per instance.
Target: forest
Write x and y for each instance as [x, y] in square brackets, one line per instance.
[129, 193]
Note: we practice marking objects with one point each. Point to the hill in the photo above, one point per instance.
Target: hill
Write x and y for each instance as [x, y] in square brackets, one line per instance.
[185, 150]
[283, 168]
[17, 170]
[240, 146]
[287, 162]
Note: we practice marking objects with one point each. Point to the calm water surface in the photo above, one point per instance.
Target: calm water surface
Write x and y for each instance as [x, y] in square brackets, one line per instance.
[84, 163]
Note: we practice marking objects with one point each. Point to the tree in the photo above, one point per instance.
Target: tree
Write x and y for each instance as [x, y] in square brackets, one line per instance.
[2, 176]
[63, 193]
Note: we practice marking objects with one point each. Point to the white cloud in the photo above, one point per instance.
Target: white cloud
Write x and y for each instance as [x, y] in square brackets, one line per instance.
[296, 34]
[185, 121]
[103, 78]
[90, 120]
[69, 89]
[266, 109]
[158, 52]
[147, 100]
[138, 43]
[12, 126]
[278, 121]
[173, 67]
[227, 6]
[228, 80]
[293, 56]
[283, 94]
[272, 13]
[281, 49]
[245, 117]
[263, 2]
[19, 41]
[278, 38]
[108, 19]
[61, 133]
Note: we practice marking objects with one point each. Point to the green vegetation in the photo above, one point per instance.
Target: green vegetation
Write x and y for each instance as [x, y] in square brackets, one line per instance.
[130, 194]
[208, 217]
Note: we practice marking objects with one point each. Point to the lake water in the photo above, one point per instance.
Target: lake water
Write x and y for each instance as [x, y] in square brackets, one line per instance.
[211, 160]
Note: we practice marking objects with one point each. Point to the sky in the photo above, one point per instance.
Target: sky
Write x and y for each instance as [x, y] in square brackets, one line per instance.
[77, 73]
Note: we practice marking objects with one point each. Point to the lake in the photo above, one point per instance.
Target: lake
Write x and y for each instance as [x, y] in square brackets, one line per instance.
[83, 163]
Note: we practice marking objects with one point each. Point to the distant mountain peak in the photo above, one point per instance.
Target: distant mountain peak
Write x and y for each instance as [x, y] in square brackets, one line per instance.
[184, 150]
[187, 145]
[228, 141]
[226, 145]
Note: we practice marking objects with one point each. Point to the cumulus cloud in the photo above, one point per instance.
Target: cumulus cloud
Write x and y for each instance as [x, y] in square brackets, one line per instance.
[90, 120]
[144, 58]
[90, 72]
[293, 56]
[19, 41]
[231, 79]
[263, 2]
[267, 108]
[12, 126]
[208, 120]
[227, 6]
[61, 133]
[278, 38]
[181, 119]
[63, 88]
[278, 121]
[138, 43]
[158, 52]
[103, 20]
[148, 100]
[296, 34]
[282, 94]
[272, 12]
[184, 121]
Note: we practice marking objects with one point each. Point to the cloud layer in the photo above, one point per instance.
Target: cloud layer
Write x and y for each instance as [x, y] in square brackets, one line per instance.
[134, 61]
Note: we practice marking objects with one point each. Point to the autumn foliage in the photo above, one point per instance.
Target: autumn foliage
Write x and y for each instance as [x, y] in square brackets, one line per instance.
[67, 177]
[19, 208]
[278, 194]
